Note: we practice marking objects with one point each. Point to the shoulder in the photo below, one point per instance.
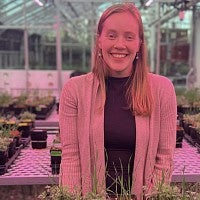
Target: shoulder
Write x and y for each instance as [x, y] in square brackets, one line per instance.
[79, 85]
[80, 80]
[159, 80]
[161, 85]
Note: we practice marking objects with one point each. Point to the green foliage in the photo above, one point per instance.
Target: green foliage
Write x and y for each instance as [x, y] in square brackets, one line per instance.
[27, 115]
[180, 91]
[5, 99]
[5, 136]
[161, 191]
[20, 101]
[4, 142]
[192, 95]
[6, 128]
[57, 193]
[188, 97]
[174, 192]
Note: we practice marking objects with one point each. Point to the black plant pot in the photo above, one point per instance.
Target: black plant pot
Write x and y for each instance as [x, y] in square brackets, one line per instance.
[55, 156]
[55, 168]
[198, 137]
[187, 109]
[55, 160]
[24, 128]
[39, 144]
[179, 109]
[186, 127]
[193, 134]
[6, 109]
[179, 137]
[18, 141]
[42, 111]
[198, 147]
[57, 107]
[3, 157]
[38, 135]
[18, 110]
[12, 148]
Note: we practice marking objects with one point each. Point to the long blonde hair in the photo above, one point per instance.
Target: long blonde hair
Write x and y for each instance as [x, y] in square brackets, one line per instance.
[139, 97]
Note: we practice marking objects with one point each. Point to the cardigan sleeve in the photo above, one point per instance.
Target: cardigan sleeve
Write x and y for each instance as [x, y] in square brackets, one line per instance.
[70, 163]
[163, 167]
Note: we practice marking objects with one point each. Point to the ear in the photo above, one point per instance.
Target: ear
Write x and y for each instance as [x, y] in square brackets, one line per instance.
[140, 44]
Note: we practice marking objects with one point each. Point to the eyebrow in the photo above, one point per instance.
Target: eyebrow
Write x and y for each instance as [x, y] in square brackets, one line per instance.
[127, 32]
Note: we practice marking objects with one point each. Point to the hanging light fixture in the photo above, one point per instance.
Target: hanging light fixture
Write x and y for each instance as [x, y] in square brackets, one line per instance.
[39, 3]
[148, 3]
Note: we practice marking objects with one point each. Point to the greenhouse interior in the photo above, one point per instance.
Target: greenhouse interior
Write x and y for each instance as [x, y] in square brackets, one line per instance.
[43, 43]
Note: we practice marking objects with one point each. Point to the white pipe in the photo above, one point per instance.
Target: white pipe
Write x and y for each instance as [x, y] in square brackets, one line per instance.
[149, 2]
[38, 2]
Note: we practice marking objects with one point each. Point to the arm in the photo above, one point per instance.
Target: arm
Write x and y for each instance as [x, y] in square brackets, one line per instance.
[163, 167]
[70, 164]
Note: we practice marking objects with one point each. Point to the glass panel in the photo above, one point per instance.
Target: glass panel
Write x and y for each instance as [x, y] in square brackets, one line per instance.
[11, 49]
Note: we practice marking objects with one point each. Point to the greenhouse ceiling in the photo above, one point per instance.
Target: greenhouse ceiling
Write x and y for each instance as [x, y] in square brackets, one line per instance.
[77, 17]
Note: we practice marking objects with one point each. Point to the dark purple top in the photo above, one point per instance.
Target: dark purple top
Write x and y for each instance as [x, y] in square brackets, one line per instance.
[120, 135]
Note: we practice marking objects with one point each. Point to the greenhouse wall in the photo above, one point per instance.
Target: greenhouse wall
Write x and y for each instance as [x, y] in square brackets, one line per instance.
[42, 81]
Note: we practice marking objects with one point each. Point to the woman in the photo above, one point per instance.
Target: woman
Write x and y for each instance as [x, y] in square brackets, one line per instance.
[117, 123]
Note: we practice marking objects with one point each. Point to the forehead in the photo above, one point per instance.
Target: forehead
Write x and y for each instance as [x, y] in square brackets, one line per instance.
[121, 21]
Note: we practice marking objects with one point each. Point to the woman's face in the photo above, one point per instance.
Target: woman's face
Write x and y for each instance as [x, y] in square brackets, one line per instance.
[119, 42]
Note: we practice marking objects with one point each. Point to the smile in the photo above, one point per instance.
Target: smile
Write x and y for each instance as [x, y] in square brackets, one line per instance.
[117, 55]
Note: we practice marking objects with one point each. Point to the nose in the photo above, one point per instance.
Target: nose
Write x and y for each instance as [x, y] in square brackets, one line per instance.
[120, 43]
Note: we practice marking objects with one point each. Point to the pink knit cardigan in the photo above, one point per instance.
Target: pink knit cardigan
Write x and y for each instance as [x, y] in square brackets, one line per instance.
[82, 136]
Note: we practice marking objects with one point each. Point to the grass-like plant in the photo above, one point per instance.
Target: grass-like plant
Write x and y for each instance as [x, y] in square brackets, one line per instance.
[161, 191]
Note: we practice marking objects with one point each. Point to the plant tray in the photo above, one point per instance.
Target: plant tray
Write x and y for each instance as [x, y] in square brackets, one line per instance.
[25, 141]
[198, 147]
[44, 115]
[4, 168]
[189, 139]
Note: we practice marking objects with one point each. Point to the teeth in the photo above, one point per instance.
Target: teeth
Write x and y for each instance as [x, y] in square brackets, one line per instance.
[118, 55]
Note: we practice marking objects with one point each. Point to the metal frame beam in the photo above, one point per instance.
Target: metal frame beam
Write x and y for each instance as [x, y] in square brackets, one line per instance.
[172, 14]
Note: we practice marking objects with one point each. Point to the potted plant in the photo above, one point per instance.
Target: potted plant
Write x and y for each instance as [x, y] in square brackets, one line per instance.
[19, 103]
[55, 192]
[193, 97]
[180, 191]
[41, 105]
[15, 134]
[9, 131]
[182, 104]
[188, 101]
[27, 117]
[26, 124]
[4, 142]
[191, 125]
[6, 102]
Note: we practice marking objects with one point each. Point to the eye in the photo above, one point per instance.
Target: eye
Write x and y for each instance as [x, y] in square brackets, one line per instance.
[111, 36]
[130, 37]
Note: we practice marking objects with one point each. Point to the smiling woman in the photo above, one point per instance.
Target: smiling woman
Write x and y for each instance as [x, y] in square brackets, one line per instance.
[117, 123]
[119, 43]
